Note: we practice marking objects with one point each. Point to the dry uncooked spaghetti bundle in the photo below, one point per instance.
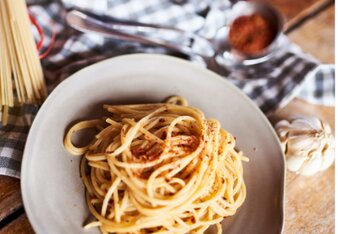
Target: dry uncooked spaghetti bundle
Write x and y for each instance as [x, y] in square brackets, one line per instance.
[21, 77]
[159, 168]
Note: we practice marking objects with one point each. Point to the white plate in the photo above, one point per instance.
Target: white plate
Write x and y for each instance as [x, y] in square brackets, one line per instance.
[52, 190]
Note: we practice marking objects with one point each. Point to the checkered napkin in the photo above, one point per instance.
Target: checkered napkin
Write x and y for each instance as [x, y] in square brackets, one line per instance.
[270, 85]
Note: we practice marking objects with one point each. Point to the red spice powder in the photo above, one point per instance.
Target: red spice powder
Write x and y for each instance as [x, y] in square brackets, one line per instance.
[251, 34]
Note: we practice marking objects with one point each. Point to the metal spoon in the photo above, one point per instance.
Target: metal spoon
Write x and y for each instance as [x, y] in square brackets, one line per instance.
[217, 48]
[135, 31]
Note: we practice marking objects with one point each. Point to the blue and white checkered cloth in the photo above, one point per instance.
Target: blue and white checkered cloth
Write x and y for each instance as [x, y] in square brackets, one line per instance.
[271, 85]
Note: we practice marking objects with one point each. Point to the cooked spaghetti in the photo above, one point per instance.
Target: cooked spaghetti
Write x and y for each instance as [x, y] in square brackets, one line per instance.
[21, 77]
[159, 168]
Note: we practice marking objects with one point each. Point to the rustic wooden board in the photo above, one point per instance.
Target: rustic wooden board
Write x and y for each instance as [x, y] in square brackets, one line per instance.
[310, 203]
[292, 8]
[317, 36]
[296, 10]
[10, 196]
[20, 225]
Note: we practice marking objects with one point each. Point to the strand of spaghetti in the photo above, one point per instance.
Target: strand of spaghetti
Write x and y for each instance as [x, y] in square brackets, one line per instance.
[5, 115]
[83, 174]
[2, 75]
[92, 224]
[8, 78]
[3, 32]
[79, 126]
[177, 100]
[108, 195]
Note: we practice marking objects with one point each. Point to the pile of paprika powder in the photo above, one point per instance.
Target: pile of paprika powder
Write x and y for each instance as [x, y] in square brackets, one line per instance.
[251, 34]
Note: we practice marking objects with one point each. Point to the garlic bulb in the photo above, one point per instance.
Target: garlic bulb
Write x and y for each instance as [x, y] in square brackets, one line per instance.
[308, 144]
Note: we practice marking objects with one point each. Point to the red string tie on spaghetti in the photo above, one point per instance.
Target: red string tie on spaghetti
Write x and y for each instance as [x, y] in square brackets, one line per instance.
[42, 37]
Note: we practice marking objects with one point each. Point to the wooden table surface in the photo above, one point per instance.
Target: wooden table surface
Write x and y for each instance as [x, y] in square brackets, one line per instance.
[309, 200]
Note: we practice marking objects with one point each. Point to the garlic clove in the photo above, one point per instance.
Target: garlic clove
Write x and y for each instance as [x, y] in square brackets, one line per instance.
[307, 122]
[300, 125]
[283, 132]
[294, 162]
[328, 158]
[282, 128]
[282, 124]
[327, 129]
[302, 143]
[312, 165]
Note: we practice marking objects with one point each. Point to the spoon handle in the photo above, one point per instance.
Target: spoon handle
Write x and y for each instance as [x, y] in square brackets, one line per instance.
[120, 29]
[113, 21]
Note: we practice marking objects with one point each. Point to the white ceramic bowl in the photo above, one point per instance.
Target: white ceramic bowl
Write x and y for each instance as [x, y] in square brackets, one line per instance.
[52, 190]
